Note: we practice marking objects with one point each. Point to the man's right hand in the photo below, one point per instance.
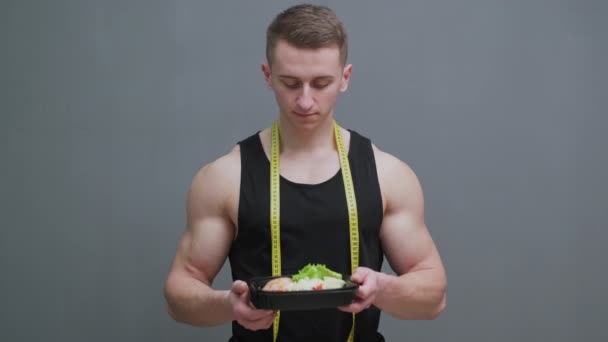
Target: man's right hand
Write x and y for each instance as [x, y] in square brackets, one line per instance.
[243, 310]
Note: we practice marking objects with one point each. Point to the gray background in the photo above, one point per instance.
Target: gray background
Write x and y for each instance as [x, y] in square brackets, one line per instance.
[108, 108]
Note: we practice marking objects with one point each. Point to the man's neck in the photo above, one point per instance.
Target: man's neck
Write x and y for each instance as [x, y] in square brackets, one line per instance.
[295, 140]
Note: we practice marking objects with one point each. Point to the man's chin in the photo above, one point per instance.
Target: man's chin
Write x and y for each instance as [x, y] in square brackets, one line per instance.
[310, 121]
[306, 121]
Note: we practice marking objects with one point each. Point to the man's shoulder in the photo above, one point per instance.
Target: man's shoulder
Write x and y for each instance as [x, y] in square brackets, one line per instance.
[394, 174]
[389, 166]
[229, 160]
[227, 167]
[219, 173]
[387, 162]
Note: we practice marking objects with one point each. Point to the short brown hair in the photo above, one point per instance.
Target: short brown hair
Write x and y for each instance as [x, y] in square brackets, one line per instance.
[307, 27]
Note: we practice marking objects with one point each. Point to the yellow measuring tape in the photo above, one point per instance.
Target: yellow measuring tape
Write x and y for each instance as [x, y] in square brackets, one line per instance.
[275, 231]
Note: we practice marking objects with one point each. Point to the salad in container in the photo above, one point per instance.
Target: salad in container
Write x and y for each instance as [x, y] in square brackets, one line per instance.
[314, 287]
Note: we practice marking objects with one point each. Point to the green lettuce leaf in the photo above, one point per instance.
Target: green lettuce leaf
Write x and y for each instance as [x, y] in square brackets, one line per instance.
[315, 271]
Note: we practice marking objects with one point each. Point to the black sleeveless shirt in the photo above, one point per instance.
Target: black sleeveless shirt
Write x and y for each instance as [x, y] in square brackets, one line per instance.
[314, 229]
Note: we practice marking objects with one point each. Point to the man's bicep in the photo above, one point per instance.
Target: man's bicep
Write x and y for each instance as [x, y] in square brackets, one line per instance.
[205, 247]
[210, 231]
[405, 238]
[407, 244]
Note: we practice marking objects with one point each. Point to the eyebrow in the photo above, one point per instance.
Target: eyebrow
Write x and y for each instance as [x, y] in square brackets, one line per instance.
[324, 78]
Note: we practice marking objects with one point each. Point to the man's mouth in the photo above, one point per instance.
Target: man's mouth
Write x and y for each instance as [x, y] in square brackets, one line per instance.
[304, 114]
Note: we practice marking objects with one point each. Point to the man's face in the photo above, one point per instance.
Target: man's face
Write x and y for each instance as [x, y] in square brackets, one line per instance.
[306, 82]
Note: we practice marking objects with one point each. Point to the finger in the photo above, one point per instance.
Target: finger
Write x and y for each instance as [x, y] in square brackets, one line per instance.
[239, 287]
[256, 324]
[267, 322]
[254, 314]
[356, 278]
[252, 326]
[364, 291]
[359, 303]
[355, 307]
[260, 314]
[245, 298]
[271, 321]
[269, 325]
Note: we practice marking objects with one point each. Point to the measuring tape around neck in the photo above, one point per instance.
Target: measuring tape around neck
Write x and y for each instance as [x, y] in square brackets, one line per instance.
[275, 231]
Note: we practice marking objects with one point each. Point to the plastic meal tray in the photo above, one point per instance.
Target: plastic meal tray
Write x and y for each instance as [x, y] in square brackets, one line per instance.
[299, 300]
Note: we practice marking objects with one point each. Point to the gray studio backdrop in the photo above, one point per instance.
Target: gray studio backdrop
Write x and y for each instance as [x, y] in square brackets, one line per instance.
[108, 108]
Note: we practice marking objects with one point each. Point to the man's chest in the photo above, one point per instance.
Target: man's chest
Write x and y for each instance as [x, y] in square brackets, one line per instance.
[309, 170]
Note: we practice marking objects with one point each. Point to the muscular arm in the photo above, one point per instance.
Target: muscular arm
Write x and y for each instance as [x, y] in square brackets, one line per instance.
[418, 291]
[204, 247]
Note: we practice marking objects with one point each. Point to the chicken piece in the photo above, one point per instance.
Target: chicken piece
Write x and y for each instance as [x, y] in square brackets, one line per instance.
[278, 284]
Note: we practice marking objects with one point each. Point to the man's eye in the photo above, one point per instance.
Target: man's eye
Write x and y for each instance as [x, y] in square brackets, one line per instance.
[320, 85]
[292, 85]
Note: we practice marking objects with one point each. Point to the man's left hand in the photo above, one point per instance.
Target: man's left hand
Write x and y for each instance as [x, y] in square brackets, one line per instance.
[369, 285]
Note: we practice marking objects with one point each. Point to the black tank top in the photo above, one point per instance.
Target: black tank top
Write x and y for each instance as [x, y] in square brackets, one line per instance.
[314, 229]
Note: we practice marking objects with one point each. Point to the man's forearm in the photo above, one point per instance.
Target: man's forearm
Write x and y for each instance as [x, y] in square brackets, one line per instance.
[417, 295]
[193, 302]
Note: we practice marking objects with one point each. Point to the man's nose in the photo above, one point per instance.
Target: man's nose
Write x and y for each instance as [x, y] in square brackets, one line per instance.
[305, 100]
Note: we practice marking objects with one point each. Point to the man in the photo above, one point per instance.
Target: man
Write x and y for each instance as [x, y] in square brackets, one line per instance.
[228, 210]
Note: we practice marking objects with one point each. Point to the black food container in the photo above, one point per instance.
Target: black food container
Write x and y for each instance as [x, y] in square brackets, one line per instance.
[299, 300]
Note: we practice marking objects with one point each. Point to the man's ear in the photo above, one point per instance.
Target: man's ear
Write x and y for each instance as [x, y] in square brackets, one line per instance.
[267, 74]
[348, 70]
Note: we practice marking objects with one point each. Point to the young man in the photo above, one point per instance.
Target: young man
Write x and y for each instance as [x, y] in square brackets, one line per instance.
[229, 207]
